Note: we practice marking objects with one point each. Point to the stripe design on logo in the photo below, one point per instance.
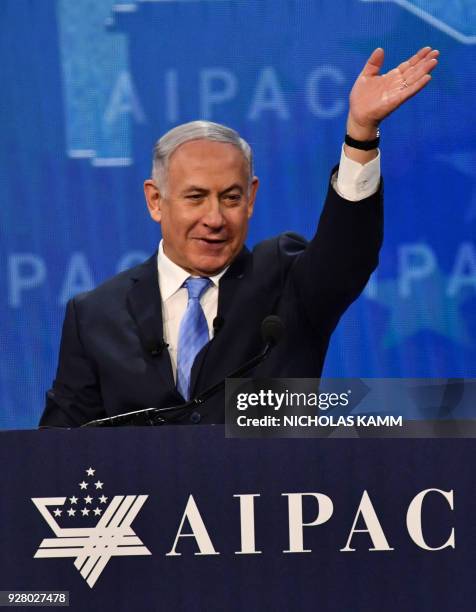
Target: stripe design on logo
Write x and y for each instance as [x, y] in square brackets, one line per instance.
[93, 547]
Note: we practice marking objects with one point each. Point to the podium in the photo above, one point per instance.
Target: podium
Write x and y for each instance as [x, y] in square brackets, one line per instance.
[182, 518]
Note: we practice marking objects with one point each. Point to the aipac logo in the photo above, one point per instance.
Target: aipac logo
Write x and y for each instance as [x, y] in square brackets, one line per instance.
[92, 529]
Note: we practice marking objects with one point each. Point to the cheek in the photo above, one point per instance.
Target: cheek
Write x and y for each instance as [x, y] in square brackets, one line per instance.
[177, 226]
[240, 226]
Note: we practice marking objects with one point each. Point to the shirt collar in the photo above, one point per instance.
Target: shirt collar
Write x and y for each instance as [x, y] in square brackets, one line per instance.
[172, 276]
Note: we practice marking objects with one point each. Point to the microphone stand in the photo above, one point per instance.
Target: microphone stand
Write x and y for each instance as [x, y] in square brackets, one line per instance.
[162, 416]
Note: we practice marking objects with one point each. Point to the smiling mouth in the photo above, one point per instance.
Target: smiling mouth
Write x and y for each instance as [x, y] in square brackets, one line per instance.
[212, 241]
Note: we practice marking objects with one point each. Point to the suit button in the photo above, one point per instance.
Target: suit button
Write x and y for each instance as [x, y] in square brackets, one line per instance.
[195, 417]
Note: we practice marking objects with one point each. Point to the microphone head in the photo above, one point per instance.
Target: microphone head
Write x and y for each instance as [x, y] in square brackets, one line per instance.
[155, 347]
[272, 329]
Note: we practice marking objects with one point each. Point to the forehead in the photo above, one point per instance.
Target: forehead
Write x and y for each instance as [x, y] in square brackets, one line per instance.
[206, 160]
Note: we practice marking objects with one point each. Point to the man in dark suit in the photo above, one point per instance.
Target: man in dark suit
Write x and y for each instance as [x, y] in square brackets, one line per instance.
[166, 330]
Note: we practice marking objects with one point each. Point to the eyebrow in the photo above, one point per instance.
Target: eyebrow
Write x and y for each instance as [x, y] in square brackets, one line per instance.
[195, 188]
[232, 188]
[192, 188]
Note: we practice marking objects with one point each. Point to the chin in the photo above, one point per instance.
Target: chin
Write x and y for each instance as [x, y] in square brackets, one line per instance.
[209, 266]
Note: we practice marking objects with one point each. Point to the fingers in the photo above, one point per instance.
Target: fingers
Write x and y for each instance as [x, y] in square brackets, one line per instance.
[374, 63]
[413, 74]
[422, 55]
[414, 88]
[397, 96]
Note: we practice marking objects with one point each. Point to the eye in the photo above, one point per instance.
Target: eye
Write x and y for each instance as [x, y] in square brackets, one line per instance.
[232, 198]
[194, 197]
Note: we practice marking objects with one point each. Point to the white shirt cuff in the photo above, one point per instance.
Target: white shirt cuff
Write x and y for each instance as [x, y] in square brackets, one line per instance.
[354, 181]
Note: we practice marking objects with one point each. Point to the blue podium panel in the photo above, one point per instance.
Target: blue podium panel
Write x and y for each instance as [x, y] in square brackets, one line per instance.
[183, 519]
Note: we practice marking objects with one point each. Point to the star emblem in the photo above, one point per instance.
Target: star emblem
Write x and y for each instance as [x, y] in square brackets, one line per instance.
[90, 471]
[98, 484]
[83, 485]
[88, 540]
[428, 307]
[102, 499]
[73, 500]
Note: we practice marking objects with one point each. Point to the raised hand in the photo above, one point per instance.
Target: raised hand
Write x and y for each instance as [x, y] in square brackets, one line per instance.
[374, 96]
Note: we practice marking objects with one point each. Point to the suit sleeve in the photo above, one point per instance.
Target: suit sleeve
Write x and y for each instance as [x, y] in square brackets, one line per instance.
[75, 397]
[336, 265]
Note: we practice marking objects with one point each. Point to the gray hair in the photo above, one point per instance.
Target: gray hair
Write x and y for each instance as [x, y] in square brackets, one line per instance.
[195, 130]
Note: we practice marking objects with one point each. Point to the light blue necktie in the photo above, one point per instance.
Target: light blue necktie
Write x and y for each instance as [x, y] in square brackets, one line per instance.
[193, 333]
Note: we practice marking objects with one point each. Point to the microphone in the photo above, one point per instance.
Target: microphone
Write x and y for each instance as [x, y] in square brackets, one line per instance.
[155, 347]
[272, 330]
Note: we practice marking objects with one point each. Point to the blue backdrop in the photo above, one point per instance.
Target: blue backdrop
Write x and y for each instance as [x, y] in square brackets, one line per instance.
[88, 86]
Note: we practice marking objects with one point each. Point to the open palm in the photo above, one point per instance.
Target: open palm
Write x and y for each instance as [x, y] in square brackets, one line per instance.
[374, 96]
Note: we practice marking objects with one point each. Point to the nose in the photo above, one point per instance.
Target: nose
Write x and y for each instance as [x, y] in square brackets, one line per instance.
[213, 216]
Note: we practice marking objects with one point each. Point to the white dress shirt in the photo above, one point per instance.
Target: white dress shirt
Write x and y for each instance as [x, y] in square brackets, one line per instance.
[175, 298]
[353, 182]
[357, 181]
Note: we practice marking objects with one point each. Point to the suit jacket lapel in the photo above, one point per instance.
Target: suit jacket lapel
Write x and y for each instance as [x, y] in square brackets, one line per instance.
[145, 306]
[230, 281]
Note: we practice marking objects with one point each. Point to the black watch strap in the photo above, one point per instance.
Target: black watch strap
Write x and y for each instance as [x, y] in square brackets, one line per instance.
[363, 145]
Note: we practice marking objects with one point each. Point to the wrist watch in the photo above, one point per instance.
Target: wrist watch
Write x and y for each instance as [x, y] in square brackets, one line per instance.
[363, 145]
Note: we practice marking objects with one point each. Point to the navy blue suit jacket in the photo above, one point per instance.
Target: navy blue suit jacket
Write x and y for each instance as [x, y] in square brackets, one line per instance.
[108, 363]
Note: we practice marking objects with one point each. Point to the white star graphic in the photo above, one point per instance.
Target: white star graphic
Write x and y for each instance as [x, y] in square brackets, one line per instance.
[83, 485]
[73, 500]
[103, 499]
[90, 471]
[57, 512]
[88, 499]
[85, 512]
[98, 484]
[97, 511]
[71, 512]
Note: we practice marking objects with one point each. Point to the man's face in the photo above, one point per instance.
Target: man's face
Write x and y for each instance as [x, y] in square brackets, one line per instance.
[206, 206]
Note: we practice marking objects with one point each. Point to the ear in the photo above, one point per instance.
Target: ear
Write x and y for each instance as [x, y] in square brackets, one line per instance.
[252, 197]
[153, 199]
